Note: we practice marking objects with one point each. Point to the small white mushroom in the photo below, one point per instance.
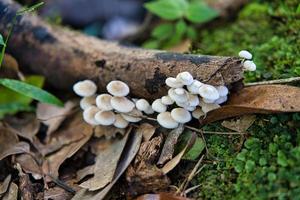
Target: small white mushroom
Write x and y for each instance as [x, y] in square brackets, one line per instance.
[86, 102]
[206, 107]
[183, 105]
[122, 104]
[209, 92]
[221, 100]
[120, 122]
[103, 102]
[105, 118]
[181, 115]
[194, 87]
[166, 121]
[223, 90]
[177, 98]
[249, 65]
[190, 108]
[158, 106]
[167, 100]
[180, 91]
[173, 83]
[85, 88]
[208, 100]
[149, 111]
[142, 104]
[193, 100]
[89, 115]
[133, 116]
[245, 54]
[197, 113]
[118, 88]
[185, 77]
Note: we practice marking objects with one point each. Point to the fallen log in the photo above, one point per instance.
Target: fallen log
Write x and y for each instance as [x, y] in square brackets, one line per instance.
[66, 56]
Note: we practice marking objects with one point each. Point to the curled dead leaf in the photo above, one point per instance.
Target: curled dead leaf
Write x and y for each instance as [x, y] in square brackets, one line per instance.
[4, 185]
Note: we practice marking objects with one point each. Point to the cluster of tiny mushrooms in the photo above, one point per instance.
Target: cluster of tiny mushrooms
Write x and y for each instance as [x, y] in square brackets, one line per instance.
[186, 98]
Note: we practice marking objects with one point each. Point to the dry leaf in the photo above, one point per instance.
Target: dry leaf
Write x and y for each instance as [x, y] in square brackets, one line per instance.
[53, 116]
[128, 154]
[108, 131]
[12, 193]
[174, 162]
[20, 147]
[241, 124]
[161, 196]
[258, 99]
[29, 165]
[106, 164]
[147, 130]
[4, 185]
[56, 193]
[168, 149]
[80, 174]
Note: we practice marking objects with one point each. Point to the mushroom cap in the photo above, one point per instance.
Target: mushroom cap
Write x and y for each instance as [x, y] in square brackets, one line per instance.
[197, 113]
[223, 90]
[142, 104]
[120, 122]
[86, 102]
[173, 83]
[166, 121]
[245, 54]
[118, 88]
[181, 115]
[185, 77]
[133, 116]
[221, 100]
[103, 102]
[85, 88]
[149, 111]
[105, 118]
[177, 98]
[193, 100]
[122, 104]
[167, 100]
[179, 91]
[209, 92]
[206, 107]
[194, 87]
[190, 108]
[208, 100]
[183, 105]
[249, 65]
[89, 115]
[158, 106]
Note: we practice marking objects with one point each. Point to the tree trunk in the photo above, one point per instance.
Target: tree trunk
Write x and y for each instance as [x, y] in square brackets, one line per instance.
[64, 57]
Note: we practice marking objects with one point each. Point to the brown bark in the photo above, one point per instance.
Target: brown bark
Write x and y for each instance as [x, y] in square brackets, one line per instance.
[66, 56]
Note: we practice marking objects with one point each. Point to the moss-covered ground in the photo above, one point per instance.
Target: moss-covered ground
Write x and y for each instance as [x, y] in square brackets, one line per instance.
[267, 165]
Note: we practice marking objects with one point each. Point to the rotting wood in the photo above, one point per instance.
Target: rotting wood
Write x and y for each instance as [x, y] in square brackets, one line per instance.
[66, 56]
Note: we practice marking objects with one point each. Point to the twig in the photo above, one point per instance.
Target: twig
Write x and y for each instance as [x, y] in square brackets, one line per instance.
[278, 81]
[62, 184]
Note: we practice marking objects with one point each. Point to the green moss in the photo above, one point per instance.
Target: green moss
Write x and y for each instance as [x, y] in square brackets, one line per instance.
[269, 29]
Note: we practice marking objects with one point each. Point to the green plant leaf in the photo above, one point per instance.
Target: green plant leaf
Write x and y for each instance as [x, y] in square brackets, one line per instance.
[199, 12]
[196, 150]
[163, 31]
[180, 29]
[31, 91]
[29, 9]
[151, 44]
[191, 33]
[167, 9]
[1, 40]
[12, 108]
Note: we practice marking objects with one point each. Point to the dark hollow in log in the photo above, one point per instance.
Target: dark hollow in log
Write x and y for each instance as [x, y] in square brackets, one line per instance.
[66, 56]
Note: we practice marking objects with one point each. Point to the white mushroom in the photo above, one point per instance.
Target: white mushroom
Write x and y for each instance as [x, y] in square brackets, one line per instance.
[185, 77]
[221, 100]
[158, 106]
[223, 90]
[105, 118]
[89, 115]
[173, 83]
[193, 100]
[85, 88]
[249, 65]
[133, 116]
[209, 92]
[177, 98]
[208, 100]
[245, 54]
[86, 102]
[183, 105]
[180, 91]
[181, 115]
[190, 108]
[118, 88]
[122, 104]
[103, 102]
[120, 122]
[149, 111]
[194, 87]
[166, 121]
[142, 104]
[167, 100]
[206, 107]
[197, 113]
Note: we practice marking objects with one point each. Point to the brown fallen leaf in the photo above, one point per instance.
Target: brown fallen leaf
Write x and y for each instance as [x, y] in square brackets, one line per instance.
[168, 149]
[8, 138]
[263, 99]
[174, 162]
[10, 67]
[106, 164]
[161, 196]
[80, 174]
[12, 193]
[4, 185]
[128, 154]
[108, 132]
[147, 130]
[20, 147]
[29, 165]
[241, 124]
[56, 193]
[53, 116]
[25, 185]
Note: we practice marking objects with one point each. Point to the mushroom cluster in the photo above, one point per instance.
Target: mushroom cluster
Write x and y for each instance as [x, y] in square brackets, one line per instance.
[248, 64]
[112, 108]
[187, 98]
